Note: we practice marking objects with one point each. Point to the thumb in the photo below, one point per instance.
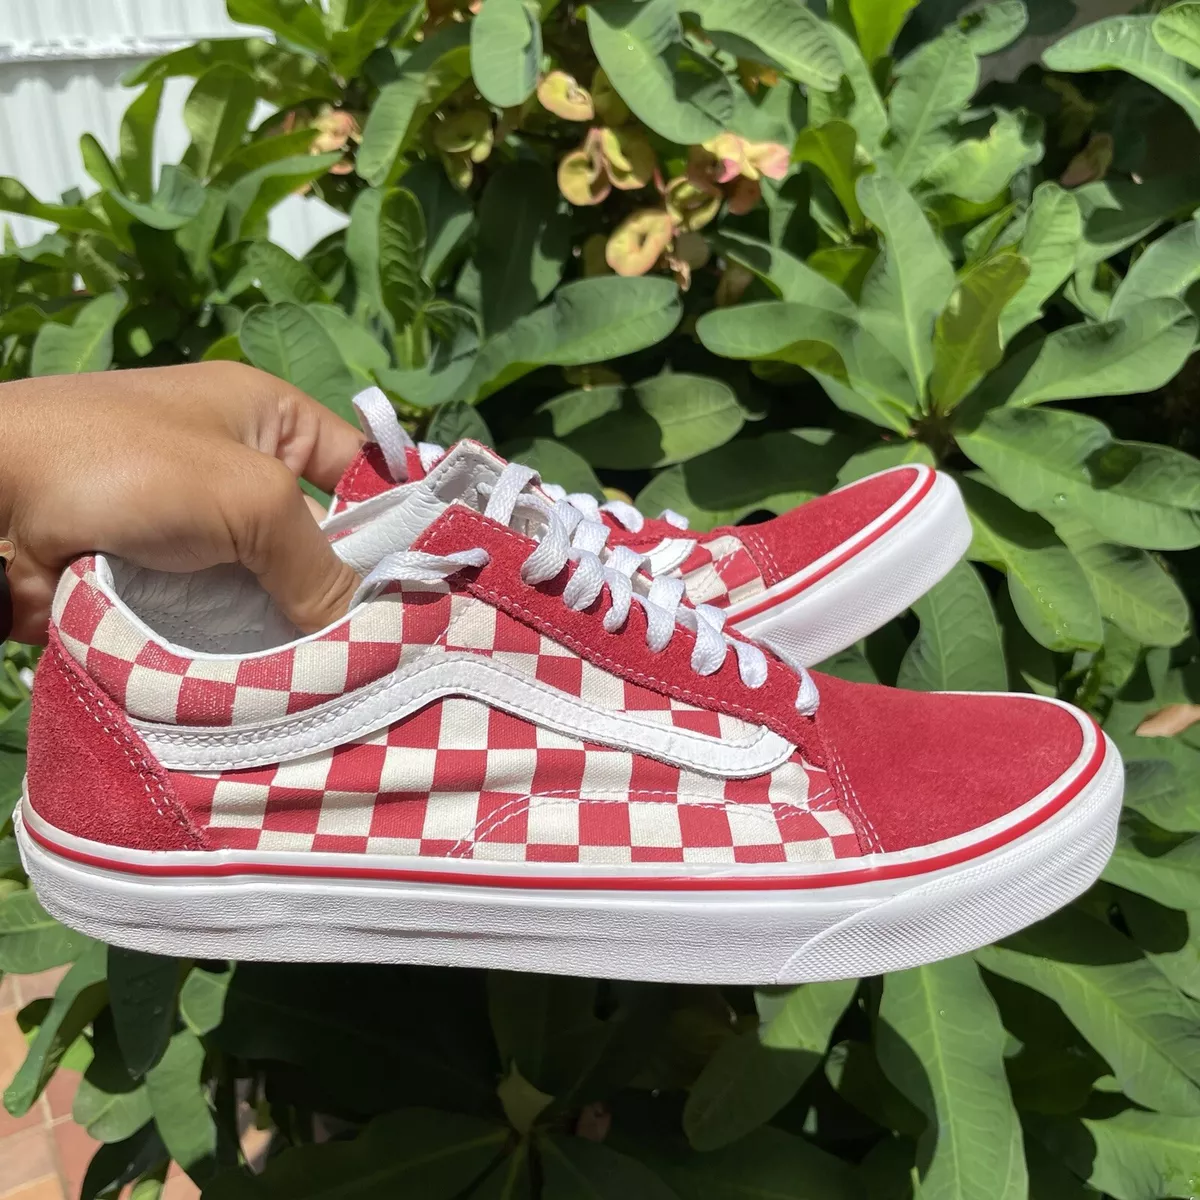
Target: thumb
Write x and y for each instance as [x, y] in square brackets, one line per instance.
[276, 537]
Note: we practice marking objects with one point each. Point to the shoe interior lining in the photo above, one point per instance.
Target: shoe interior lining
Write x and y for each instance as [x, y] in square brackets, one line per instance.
[224, 610]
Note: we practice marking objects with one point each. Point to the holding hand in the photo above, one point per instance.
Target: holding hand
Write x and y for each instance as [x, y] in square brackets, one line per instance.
[175, 469]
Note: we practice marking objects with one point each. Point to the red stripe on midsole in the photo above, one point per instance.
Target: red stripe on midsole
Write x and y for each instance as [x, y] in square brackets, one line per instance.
[842, 559]
[664, 883]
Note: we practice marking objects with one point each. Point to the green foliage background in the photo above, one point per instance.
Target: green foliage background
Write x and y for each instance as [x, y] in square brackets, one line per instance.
[998, 279]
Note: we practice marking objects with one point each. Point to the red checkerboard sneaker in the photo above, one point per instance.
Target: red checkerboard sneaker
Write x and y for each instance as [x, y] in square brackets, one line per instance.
[517, 751]
[808, 583]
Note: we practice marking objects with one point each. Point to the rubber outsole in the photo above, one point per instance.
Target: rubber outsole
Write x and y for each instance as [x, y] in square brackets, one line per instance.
[748, 929]
[858, 588]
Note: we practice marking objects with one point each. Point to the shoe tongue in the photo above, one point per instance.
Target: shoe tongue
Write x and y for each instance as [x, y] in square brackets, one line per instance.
[368, 476]
[399, 514]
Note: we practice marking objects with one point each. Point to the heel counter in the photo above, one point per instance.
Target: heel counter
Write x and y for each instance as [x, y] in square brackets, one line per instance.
[90, 774]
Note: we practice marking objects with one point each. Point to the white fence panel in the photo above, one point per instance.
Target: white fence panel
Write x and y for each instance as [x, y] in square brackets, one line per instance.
[61, 63]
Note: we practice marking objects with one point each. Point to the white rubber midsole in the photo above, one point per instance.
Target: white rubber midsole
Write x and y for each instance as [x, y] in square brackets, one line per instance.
[720, 934]
[866, 591]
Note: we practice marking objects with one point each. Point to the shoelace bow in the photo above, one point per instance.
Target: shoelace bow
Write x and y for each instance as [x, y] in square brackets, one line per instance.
[568, 536]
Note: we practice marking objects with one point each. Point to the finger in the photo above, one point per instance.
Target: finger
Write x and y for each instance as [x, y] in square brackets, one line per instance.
[31, 587]
[268, 414]
[276, 537]
[315, 442]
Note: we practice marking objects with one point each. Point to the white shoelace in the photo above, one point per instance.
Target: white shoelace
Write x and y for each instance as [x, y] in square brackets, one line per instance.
[567, 533]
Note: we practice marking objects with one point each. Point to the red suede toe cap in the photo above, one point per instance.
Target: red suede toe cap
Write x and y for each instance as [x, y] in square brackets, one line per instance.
[789, 543]
[917, 768]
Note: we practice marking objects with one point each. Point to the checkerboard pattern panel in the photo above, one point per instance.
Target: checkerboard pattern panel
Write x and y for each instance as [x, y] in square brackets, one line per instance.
[721, 572]
[404, 624]
[461, 780]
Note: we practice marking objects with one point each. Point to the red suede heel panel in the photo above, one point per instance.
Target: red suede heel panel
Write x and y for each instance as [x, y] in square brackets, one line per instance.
[90, 774]
[916, 768]
[790, 543]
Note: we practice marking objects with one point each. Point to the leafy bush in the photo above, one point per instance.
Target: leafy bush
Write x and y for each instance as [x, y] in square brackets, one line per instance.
[722, 256]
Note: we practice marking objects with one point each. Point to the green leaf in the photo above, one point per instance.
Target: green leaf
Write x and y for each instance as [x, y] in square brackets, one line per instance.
[1049, 242]
[352, 44]
[109, 1104]
[434, 70]
[1049, 589]
[1119, 212]
[667, 85]
[178, 198]
[958, 648]
[296, 21]
[136, 159]
[31, 940]
[803, 1018]
[857, 99]
[17, 198]
[142, 991]
[401, 253]
[768, 1164]
[253, 196]
[792, 278]
[882, 458]
[555, 463]
[362, 252]
[217, 112]
[933, 86]
[777, 472]
[288, 341]
[1051, 460]
[1128, 44]
[456, 420]
[87, 345]
[281, 277]
[284, 78]
[588, 321]
[413, 1152]
[98, 165]
[523, 244]
[358, 346]
[1132, 589]
[1177, 31]
[742, 1086]
[575, 1169]
[832, 148]
[979, 169]
[1170, 265]
[877, 23]
[662, 420]
[910, 283]
[448, 214]
[79, 997]
[506, 51]
[940, 1042]
[995, 26]
[1139, 351]
[1132, 1155]
[1164, 793]
[785, 32]
[180, 1106]
[202, 998]
[1141, 1025]
[830, 344]
[966, 340]
[1171, 878]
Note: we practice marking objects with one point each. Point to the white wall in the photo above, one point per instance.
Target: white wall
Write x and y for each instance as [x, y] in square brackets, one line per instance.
[61, 63]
